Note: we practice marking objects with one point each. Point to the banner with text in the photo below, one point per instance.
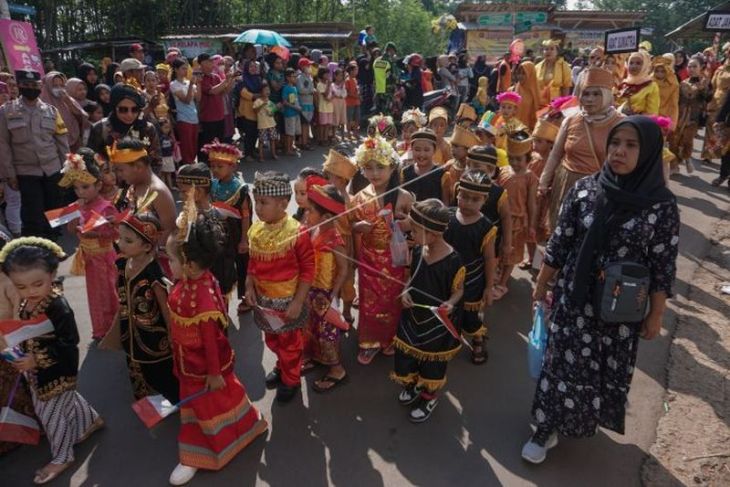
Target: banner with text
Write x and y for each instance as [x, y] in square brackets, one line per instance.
[20, 47]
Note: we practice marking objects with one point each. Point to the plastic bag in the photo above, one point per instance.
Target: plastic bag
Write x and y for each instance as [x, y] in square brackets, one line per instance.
[537, 341]
[398, 246]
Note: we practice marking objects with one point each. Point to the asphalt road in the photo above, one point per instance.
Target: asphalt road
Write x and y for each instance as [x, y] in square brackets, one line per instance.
[358, 435]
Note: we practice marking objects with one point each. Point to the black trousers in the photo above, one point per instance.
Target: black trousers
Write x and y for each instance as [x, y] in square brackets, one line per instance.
[432, 372]
[249, 133]
[242, 271]
[38, 194]
[208, 132]
[725, 167]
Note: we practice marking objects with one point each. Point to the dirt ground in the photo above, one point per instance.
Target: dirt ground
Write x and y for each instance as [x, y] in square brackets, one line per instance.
[693, 437]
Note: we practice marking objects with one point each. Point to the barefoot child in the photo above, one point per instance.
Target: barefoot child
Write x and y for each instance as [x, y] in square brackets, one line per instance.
[51, 361]
[322, 339]
[95, 255]
[265, 123]
[473, 236]
[143, 313]
[229, 189]
[377, 276]
[219, 424]
[424, 345]
[280, 274]
[521, 187]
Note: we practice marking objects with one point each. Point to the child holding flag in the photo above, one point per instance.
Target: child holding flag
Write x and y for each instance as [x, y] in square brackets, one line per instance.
[95, 255]
[50, 359]
[426, 339]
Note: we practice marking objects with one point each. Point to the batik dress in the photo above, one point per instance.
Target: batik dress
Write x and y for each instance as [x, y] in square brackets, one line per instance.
[423, 344]
[144, 332]
[379, 281]
[469, 241]
[64, 414]
[588, 364]
[219, 424]
[322, 339]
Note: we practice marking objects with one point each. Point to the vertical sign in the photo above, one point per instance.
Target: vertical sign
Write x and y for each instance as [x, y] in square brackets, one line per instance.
[19, 45]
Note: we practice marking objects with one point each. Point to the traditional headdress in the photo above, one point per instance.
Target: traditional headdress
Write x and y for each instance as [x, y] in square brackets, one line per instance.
[277, 186]
[382, 125]
[147, 230]
[464, 137]
[546, 130]
[203, 179]
[486, 125]
[519, 144]
[482, 155]
[551, 43]
[466, 112]
[598, 78]
[481, 187]
[125, 156]
[187, 217]
[414, 115]
[376, 149]
[438, 112]
[509, 97]
[316, 194]
[339, 165]
[220, 152]
[163, 67]
[52, 247]
[424, 134]
[426, 222]
[74, 169]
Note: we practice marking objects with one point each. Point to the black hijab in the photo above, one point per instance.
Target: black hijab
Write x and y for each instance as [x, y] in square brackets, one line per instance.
[106, 107]
[82, 72]
[619, 198]
[123, 92]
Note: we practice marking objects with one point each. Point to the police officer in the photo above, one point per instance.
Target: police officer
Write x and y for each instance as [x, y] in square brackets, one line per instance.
[33, 146]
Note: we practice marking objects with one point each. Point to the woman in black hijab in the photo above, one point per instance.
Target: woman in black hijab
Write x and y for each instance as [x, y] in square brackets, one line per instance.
[624, 213]
[87, 73]
[125, 120]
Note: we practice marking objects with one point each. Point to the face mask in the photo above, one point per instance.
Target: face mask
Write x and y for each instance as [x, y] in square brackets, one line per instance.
[57, 92]
[30, 93]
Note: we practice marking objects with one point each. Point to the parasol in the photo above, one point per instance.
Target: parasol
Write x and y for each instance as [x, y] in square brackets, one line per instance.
[263, 37]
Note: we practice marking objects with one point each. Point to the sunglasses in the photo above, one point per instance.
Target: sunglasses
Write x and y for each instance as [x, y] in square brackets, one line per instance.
[128, 109]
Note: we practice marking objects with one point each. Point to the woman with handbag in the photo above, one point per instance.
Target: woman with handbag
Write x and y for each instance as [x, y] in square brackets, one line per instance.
[613, 255]
[579, 147]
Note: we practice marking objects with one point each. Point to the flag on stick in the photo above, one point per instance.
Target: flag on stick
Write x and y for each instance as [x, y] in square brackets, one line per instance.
[442, 314]
[153, 409]
[226, 210]
[16, 332]
[95, 221]
[61, 216]
[16, 427]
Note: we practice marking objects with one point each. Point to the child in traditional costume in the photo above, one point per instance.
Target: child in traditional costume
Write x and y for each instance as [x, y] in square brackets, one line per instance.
[474, 237]
[668, 84]
[322, 338]
[220, 423]
[543, 138]
[50, 362]
[505, 121]
[143, 313]
[521, 187]
[466, 116]
[300, 192]
[526, 86]
[481, 99]
[438, 121]
[638, 94]
[461, 141]
[497, 208]
[411, 121]
[339, 171]
[425, 342]
[374, 210]
[280, 274]
[95, 255]
[694, 94]
[424, 178]
[229, 193]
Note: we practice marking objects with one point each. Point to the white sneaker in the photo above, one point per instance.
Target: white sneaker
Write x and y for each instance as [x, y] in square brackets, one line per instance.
[534, 453]
[182, 474]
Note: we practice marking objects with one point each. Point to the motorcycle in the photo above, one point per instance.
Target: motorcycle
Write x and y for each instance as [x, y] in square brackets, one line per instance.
[444, 97]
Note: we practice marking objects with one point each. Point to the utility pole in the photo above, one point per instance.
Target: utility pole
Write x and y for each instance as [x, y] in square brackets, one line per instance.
[4, 9]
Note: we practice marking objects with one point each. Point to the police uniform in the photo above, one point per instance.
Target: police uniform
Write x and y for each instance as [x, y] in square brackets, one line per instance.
[33, 145]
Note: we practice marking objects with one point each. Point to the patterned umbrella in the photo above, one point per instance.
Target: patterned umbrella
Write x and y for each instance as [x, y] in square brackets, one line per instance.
[263, 37]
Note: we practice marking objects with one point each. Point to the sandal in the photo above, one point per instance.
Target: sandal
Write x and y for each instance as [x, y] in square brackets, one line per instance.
[479, 354]
[308, 366]
[332, 382]
[525, 265]
[389, 351]
[366, 355]
[43, 477]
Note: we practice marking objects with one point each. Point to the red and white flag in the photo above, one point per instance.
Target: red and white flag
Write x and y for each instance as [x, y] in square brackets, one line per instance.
[16, 332]
[153, 409]
[18, 428]
[442, 313]
[95, 221]
[226, 210]
[61, 216]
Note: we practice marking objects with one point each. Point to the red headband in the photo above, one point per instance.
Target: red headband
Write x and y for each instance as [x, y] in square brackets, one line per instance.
[316, 194]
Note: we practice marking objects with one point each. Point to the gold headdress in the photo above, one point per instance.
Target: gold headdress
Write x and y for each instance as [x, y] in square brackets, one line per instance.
[187, 217]
[339, 165]
[74, 169]
[125, 156]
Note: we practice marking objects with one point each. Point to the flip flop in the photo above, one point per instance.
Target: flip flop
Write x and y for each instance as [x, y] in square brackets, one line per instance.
[95, 426]
[524, 265]
[328, 379]
[43, 478]
[308, 367]
[366, 355]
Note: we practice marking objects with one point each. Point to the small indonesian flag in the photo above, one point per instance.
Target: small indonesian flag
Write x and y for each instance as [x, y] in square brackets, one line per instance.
[226, 210]
[95, 221]
[61, 216]
[18, 428]
[153, 409]
[442, 313]
[16, 332]
[334, 317]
